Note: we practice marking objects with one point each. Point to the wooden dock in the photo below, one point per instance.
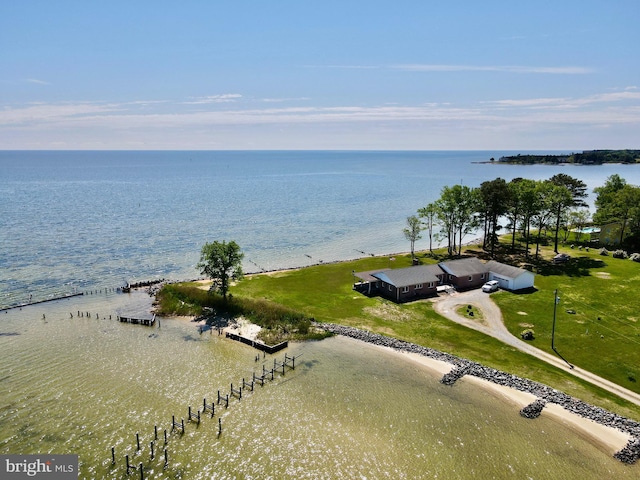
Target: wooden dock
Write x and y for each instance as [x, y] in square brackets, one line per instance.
[263, 347]
[138, 319]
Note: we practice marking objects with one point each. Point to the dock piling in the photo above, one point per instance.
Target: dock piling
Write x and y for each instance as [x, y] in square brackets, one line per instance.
[138, 441]
[113, 455]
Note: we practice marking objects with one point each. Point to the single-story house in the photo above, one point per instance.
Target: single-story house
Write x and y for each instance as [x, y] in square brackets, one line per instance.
[422, 281]
[510, 277]
[465, 273]
[401, 284]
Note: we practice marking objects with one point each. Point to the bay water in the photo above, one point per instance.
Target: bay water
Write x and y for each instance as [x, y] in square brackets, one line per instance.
[90, 221]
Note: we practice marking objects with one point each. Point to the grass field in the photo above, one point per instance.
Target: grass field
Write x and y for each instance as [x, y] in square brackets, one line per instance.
[591, 285]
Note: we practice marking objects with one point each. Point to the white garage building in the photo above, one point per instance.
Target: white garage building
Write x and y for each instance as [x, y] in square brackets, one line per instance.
[510, 277]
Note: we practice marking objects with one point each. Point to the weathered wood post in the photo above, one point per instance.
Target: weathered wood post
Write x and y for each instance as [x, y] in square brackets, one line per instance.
[151, 446]
[166, 458]
[138, 441]
[165, 436]
[155, 432]
[141, 472]
[113, 455]
[219, 426]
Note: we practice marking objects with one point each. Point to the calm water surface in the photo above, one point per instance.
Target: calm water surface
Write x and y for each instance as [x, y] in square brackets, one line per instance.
[348, 410]
[94, 220]
[86, 220]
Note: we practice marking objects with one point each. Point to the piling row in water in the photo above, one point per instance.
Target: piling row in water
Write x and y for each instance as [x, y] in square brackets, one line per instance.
[75, 293]
[194, 415]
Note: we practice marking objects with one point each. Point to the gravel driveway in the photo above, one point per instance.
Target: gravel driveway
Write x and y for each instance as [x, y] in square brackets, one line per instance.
[492, 324]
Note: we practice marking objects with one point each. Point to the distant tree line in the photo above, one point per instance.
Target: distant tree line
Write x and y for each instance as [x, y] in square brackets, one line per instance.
[528, 209]
[587, 157]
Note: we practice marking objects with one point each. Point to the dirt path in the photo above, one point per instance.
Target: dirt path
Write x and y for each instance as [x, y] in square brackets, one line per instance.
[494, 326]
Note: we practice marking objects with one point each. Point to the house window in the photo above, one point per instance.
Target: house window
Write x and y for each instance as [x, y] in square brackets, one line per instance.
[390, 289]
[418, 286]
[431, 284]
[405, 289]
[482, 276]
[470, 277]
[450, 277]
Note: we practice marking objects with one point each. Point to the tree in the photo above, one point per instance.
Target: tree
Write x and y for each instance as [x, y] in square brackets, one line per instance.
[412, 232]
[548, 196]
[494, 200]
[577, 191]
[577, 220]
[221, 262]
[617, 201]
[527, 205]
[605, 201]
[456, 212]
[515, 207]
[429, 214]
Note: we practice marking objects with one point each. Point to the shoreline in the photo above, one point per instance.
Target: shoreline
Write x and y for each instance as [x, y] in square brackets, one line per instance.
[617, 435]
[607, 438]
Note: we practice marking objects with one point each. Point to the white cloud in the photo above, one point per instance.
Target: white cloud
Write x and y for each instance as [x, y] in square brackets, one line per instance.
[148, 121]
[225, 98]
[39, 82]
[420, 67]
[567, 70]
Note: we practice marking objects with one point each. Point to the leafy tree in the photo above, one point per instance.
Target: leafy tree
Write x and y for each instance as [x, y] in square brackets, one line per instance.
[494, 202]
[605, 201]
[456, 212]
[577, 220]
[617, 201]
[429, 214]
[526, 192]
[578, 192]
[515, 207]
[412, 232]
[221, 262]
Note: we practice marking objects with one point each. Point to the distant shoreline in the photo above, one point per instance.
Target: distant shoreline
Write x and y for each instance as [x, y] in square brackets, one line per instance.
[587, 157]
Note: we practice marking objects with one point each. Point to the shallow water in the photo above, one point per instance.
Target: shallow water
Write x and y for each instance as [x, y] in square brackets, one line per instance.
[93, 220]
[348, 410]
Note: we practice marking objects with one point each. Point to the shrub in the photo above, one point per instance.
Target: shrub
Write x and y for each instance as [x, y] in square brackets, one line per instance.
[635, 257]
[620, 254]
[527, 334]
[604, 251]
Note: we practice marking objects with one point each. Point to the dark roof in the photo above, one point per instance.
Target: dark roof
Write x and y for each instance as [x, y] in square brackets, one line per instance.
[504, 269]
[464, 267]
[404, 277]
[368, 275]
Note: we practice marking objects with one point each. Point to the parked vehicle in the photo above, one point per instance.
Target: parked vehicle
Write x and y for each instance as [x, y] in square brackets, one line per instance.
[561, 258]
[490, 286]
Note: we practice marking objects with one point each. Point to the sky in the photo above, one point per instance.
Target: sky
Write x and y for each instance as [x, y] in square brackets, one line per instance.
[306, 74]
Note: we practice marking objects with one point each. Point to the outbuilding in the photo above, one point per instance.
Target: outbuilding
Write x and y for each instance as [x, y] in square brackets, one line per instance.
[510, 277]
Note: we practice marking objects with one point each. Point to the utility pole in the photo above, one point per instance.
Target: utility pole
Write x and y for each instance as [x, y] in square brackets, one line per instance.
[556, 300]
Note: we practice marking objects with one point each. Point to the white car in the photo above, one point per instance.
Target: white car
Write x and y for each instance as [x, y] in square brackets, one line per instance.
[490, 286]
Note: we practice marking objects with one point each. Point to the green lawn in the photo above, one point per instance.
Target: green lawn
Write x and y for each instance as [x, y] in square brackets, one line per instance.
[596, 317]
[590, 284]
